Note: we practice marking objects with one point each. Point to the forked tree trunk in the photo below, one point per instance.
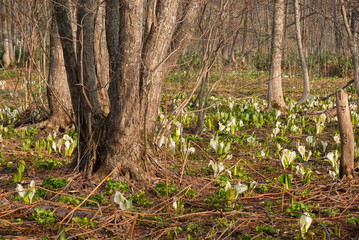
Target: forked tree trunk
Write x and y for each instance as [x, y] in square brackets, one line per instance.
[58, 92]
[346, 136]
[306, 84]
[137, 61]
[137, 84]
[275, 93]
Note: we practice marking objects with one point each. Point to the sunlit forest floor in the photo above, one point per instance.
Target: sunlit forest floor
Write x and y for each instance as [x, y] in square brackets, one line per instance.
[252, 174]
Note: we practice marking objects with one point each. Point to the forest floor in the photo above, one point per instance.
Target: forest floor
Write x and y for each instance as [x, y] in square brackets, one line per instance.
[246, 193]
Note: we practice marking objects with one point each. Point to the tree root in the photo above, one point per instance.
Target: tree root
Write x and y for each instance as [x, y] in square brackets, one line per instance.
[50, 124]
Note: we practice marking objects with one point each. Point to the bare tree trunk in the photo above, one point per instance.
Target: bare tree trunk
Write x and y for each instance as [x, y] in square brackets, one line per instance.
[81, 77]
[73, 16]
[11, 42]
[130, 129]
[285, 47]
[101, 54]
[232, 57]
[201, 107]
[352, 42]
[169, 36]
[268, 24]
[5, 32]
[275, 93]
[245, 27]
[304, 30]
[306, 84]
[21, 45]
[346, 136]
[338, 38]
[85, 54]
[122, 149]
[58, 91]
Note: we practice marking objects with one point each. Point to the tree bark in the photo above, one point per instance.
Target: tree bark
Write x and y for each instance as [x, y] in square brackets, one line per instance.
[85, 55]
[306, 84]
[11, 41]
[5, 32]
[101, 54]
[58, 92]
[346, 136]
[352, 42]
[275, 93]
[338, 37]
[245, 26]
[139, 47]
[121, 143]
[201, 107]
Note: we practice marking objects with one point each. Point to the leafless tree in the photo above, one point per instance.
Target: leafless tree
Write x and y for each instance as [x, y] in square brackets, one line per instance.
[58, 92]
[141, 37]
[352, 40]
[275, 93]
[5, 32]
[306, 86]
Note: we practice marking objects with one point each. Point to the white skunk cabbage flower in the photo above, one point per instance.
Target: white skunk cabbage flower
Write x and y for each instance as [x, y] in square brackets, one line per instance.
[324, 145]
[301, 150]
[304, 222]
[277, 113]
[337, 139]
[214, 144]
[287, 158]
[228, 186]
[275, 131]
[20, 190]
[29, 193]
[122, 201]
[299, 170]
[240, 188]
[172, 145]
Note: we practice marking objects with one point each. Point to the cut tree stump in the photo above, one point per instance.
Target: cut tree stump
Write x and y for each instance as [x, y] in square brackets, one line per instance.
[346, 136]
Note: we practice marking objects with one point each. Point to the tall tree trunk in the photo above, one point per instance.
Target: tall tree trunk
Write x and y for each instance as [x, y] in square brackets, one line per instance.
[306, 86]
[338, 37]
[352, 42]
[101, 53]
[285, 39]
[245, 26]
[5, 32]
[275, 93]
[304, 30]
[267, 24]
[58, 92]
[178, 19]
[79, 86]
[122, 148]
[85, 54]
[11, 41]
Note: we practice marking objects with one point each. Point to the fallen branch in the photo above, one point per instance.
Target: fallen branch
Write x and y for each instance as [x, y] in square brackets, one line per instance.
[349, 83]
